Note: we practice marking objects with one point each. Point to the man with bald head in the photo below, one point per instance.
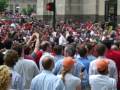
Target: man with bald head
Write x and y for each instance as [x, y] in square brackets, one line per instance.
[46, 80]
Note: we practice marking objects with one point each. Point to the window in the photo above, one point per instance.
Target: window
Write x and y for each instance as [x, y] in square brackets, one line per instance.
[34, 7]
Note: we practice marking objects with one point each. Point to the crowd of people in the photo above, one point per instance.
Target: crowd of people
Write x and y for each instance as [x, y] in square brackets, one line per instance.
[74, 56]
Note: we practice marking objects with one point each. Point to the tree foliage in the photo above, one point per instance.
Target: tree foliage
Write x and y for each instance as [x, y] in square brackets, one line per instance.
[3, 5]
[28, 10]
[24, 11]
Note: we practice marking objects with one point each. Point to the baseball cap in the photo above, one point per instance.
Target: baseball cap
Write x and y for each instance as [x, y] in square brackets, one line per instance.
[68, 62]
[102, 65]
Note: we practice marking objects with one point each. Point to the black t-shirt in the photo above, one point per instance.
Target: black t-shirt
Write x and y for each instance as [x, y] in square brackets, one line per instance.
[70, 39]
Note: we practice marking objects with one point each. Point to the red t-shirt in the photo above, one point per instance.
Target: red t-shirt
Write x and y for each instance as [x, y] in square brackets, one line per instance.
[115, 55]
[37, 55]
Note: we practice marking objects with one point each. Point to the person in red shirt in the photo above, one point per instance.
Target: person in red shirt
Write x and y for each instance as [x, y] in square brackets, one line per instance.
[36, 54]
[114, 55]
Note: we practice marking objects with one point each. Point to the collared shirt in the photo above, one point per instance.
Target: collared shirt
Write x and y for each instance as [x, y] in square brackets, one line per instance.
[58, 57]
[17, 81]
[102, 82]
[111, 68]
[91, 57]
[46, 80]
[71, 82]
[85, 61]
[77, 56]
[27, 69]
[75, 71]
[62, 40]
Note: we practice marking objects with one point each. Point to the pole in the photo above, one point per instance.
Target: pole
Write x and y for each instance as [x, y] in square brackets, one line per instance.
[97, 11]
[54, 15]
[107, 10]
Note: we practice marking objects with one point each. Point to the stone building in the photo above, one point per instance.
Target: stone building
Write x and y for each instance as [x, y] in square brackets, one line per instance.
[18, 5]
[95, 10]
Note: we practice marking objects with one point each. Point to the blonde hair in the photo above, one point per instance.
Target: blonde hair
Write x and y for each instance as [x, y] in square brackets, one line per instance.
[64, 72]
[5, 77]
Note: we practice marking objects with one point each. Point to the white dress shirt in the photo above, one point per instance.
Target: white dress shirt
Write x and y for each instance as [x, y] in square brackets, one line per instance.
[71, 82]
[111, 68]
[27, 69]
[102, 82]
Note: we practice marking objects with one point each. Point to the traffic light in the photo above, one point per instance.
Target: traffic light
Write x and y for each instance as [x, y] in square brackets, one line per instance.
[50, 6]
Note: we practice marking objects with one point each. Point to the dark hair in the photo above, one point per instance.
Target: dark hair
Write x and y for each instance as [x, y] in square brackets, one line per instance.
[70, 50]
[45, 45]
[47, 62]
[82, 50]
[108, 43]
[18, 48]
[26, 50]
[89, 47]
[58, 49]
[8, 44]
[10, 58]
[100, 49]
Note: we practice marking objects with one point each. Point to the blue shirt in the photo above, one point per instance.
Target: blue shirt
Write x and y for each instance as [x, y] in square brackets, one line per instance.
[86, 62]
[47, 81]
[57, 68]
[58, 57]
[76, 71]
[17, 81]
[91, 57]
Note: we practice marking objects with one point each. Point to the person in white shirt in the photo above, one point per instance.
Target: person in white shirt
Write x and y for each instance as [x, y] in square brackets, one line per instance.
[71, 82]
[26, 68]
[112, 69]
[46, 80]
[102, 81]
[62, 40]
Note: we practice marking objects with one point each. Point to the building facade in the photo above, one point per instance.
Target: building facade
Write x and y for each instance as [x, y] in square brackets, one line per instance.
[95, 10]
[19, 5]
[83, 9]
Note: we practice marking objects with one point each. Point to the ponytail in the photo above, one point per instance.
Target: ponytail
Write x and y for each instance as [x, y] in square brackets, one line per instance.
[64, 72]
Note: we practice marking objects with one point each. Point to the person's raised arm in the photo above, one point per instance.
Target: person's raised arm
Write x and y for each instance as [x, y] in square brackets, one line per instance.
[30, 40]
[37, 44]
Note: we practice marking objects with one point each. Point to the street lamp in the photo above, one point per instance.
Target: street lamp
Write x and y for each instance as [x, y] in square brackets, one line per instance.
[51, 6]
